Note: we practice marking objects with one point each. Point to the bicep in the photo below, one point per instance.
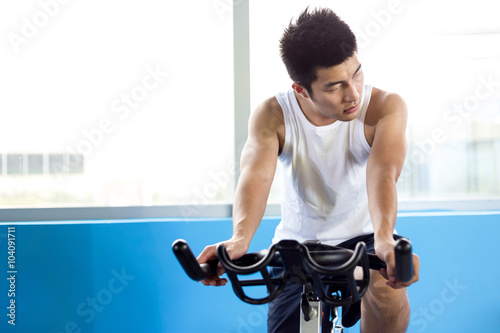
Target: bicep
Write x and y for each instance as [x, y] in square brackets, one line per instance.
[389, 144]
[260, 153]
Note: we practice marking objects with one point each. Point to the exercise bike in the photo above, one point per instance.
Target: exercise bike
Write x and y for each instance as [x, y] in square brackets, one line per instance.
[325, 272]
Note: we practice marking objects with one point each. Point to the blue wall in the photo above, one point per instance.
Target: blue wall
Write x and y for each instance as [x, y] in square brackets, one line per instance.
[121, 276]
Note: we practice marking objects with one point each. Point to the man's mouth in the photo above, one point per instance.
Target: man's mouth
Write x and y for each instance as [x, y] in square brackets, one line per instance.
[352, 109]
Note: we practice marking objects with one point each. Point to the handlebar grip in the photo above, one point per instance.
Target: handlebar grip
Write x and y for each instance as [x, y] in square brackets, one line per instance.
[189, 263]
[404, 260]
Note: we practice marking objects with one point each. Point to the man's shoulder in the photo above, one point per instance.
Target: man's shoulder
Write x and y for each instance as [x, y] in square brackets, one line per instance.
[270, 108]
[267, 122]
[382, 99]
[383, 103]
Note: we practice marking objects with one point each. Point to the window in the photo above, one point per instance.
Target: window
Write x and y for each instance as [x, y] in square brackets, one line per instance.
[444, 61]
[116, 103]
[131, 103]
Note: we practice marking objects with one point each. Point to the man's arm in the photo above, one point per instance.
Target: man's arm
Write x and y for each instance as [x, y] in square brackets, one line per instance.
[257, 168]
[384, 167]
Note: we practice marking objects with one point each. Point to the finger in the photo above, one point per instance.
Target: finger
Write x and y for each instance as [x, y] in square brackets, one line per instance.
[209, 253]
[215, 281]
[399, 284]
[391, 271]
[220, 270]
[396, 285]
[416, 267]
[383, 272]
[208, 282]
[221, 282]
[416, 273]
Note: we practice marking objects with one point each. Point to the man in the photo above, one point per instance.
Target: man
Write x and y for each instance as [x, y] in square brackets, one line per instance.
[341, 146]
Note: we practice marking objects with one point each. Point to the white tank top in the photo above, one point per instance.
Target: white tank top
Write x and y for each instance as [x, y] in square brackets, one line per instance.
[323, 170]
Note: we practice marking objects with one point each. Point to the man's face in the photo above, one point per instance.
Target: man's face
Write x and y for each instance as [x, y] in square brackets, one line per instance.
[337, 91]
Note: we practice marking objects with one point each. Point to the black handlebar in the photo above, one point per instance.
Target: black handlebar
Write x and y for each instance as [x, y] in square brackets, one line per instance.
[189, 263]
[305, 263]
[199, 272]
[404, 260]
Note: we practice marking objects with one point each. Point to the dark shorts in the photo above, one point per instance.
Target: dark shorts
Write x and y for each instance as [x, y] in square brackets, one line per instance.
[284, 311]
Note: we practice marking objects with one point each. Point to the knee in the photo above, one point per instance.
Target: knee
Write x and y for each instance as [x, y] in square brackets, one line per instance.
[385, 309]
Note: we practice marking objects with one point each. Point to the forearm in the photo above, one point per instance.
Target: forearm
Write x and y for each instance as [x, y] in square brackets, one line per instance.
[382, 201]
[249, 206]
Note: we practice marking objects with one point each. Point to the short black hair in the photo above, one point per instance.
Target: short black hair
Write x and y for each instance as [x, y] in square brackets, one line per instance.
[317, 39]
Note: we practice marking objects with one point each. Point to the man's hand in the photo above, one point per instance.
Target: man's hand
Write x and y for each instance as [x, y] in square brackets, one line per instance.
[235, 250]
[385, 251]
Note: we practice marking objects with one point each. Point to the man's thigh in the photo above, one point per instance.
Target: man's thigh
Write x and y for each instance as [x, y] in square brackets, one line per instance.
[284, 311]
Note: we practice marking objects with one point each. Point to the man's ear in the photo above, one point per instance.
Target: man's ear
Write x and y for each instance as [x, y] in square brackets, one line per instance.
[300, 90]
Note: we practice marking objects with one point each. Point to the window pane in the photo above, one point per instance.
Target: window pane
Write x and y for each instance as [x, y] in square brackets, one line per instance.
[35, 163]
[56, 164]
[14, 164]
[447, 70]
[127, 103]
[75, 163]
